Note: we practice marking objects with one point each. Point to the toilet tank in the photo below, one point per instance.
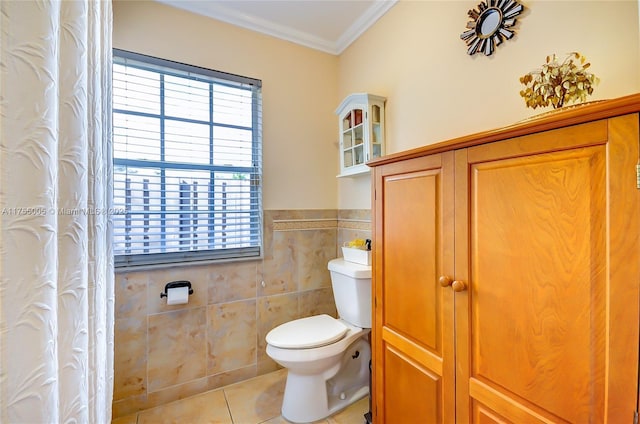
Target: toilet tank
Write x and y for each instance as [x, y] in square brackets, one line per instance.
[351, 284]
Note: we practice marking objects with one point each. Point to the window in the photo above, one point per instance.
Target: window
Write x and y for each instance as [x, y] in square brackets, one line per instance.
[187, 162]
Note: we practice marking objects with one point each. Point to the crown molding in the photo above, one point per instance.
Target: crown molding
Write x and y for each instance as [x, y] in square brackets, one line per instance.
[367, 19]
[255, 23]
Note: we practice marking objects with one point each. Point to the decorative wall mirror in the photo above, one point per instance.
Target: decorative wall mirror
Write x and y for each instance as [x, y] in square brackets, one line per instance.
[489, 23]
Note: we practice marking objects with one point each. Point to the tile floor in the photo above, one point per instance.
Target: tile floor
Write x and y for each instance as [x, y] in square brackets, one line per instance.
[254, 401]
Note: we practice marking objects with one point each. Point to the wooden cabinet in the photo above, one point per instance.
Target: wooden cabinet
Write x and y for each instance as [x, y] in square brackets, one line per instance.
[506, 273]
[413, 319]
[361, 134]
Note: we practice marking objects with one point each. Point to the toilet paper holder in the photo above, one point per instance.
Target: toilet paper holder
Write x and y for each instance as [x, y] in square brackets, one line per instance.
[176, 284]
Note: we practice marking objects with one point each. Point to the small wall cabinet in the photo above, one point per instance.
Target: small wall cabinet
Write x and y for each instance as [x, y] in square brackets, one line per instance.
[361, 122]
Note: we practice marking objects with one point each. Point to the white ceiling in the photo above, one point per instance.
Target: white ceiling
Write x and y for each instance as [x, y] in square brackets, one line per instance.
[326, 25]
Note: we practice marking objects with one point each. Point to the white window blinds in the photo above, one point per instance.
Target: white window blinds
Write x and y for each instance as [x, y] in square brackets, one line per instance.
[187, 162]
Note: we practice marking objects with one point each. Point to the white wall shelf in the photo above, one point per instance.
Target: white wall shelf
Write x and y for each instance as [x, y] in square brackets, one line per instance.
[361, 133]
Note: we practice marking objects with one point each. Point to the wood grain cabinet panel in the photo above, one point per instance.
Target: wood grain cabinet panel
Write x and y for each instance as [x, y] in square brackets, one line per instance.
[414, 319]
[507, 274]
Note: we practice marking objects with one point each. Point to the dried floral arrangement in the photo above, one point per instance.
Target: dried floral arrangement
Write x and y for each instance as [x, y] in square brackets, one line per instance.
[559, 83]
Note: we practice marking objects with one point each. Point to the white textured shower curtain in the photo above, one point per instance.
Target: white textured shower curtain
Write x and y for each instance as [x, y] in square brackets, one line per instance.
[56, 267]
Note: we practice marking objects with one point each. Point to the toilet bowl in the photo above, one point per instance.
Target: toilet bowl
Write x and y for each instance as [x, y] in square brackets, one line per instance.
[327, 358]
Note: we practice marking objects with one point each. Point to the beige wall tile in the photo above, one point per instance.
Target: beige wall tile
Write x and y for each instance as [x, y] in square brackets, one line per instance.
[190, 348]
[296, 214]
[315, 249]
[316, 302]
[177, 347]
[233, 281]
[179, 391]
[131, 294]
[354, 214]
[231, 336]
[280, 272]
[130, 365]
[267, 237]
[353, 224]
[265, 364]
[129, 405]
[233, 376]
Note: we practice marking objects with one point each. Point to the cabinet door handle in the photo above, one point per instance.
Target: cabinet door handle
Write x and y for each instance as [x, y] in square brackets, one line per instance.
[445, 281]
[458, 286]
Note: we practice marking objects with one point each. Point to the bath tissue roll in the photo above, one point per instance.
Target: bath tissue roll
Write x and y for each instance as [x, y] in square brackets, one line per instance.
[177, 295]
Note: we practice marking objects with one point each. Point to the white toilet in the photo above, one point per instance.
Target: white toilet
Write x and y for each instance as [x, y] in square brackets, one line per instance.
[327, 358]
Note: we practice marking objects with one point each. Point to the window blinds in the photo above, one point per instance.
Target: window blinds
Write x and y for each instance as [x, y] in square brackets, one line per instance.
[187, 162]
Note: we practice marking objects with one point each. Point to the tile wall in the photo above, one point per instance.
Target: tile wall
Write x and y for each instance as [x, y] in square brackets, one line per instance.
[164, 353]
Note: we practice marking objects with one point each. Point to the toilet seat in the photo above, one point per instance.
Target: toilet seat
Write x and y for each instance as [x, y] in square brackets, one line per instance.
[307, 333]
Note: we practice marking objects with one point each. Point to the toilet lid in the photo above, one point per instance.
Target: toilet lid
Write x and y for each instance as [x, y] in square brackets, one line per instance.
[305, 333]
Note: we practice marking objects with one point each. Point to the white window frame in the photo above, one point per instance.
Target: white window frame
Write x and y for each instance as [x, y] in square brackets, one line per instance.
[126, 255]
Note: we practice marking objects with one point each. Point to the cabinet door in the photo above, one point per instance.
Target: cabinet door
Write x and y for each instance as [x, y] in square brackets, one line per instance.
[352, 140]
[376, 130]
[547, 241]
[413, 331]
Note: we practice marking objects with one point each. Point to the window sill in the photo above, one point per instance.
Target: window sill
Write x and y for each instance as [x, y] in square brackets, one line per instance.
[123, 269]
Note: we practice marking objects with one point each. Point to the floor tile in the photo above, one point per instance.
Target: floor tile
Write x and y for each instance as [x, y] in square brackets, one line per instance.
[205, 408]
[280, 420]
[353, 414]
[258, 399]
[254, 401]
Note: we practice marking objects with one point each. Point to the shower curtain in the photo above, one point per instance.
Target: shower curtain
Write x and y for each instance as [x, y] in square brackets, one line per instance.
[56, 267]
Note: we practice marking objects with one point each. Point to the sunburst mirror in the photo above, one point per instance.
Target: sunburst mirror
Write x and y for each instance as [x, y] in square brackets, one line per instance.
[489, 25]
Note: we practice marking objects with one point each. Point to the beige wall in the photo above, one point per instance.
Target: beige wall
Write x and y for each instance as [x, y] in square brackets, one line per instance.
[413, 55]
[435, 91]
[299, 92]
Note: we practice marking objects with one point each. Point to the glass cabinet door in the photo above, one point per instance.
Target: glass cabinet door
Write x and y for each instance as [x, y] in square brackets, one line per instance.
[376, 132]
[353, 147]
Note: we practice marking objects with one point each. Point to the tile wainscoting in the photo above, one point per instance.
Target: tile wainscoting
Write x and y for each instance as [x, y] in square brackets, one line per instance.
[165, 353]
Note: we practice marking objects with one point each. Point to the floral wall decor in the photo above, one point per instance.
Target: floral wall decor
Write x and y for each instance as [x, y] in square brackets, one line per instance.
[559, 83]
